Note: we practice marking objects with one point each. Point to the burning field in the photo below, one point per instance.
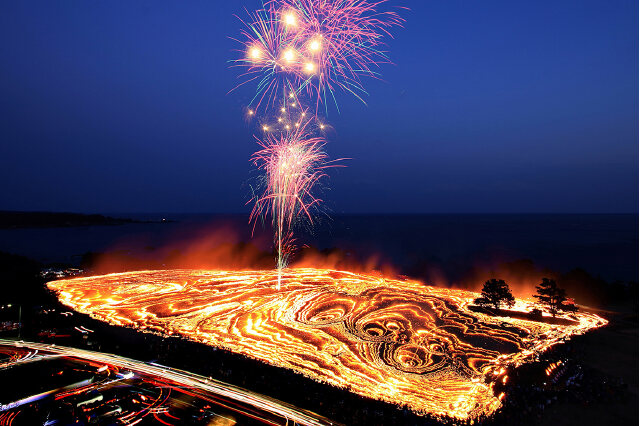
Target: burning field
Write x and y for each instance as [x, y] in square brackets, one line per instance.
[398, 341]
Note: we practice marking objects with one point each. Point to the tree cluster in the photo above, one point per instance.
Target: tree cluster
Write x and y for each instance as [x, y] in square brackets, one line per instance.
[496, 293]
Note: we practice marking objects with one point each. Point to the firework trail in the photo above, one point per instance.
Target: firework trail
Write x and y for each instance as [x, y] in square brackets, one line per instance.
[292, 162]
[300, 52]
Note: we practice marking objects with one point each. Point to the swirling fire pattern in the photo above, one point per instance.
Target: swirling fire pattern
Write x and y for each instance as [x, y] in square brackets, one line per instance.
[398, 341]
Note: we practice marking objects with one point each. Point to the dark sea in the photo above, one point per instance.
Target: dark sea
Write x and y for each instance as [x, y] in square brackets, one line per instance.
[605, 246]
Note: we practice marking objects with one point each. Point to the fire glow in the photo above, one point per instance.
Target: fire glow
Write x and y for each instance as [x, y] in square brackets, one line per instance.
[398, 341]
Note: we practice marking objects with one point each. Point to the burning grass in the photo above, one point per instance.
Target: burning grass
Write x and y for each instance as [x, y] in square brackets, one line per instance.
[398, 341]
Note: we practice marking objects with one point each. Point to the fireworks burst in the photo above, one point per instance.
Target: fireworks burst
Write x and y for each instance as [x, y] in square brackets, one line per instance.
[301, 52]
[315, 47]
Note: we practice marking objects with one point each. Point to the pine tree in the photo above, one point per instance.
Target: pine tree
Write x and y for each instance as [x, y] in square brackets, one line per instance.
[495, 292]
[554, 297]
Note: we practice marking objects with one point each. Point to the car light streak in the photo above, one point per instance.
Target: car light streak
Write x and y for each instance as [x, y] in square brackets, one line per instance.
[256, 406]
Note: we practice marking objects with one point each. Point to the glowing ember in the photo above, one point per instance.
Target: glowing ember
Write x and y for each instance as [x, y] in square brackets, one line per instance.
[397, 341]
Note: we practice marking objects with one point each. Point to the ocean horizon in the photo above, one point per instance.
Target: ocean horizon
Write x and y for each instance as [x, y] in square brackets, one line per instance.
[604, 245]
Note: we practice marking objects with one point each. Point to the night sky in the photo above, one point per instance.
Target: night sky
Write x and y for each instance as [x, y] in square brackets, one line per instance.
[490, 106]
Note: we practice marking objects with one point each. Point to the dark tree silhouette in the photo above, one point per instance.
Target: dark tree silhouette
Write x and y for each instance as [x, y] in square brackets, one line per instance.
[495, 292]
[535, 313]
[554, 297]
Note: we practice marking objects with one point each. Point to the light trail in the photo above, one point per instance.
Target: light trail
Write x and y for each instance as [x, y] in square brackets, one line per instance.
[398, 341]
[199, 387]
[33, 398]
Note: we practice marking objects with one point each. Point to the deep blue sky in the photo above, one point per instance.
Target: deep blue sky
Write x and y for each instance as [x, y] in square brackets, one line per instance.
[491, 106]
